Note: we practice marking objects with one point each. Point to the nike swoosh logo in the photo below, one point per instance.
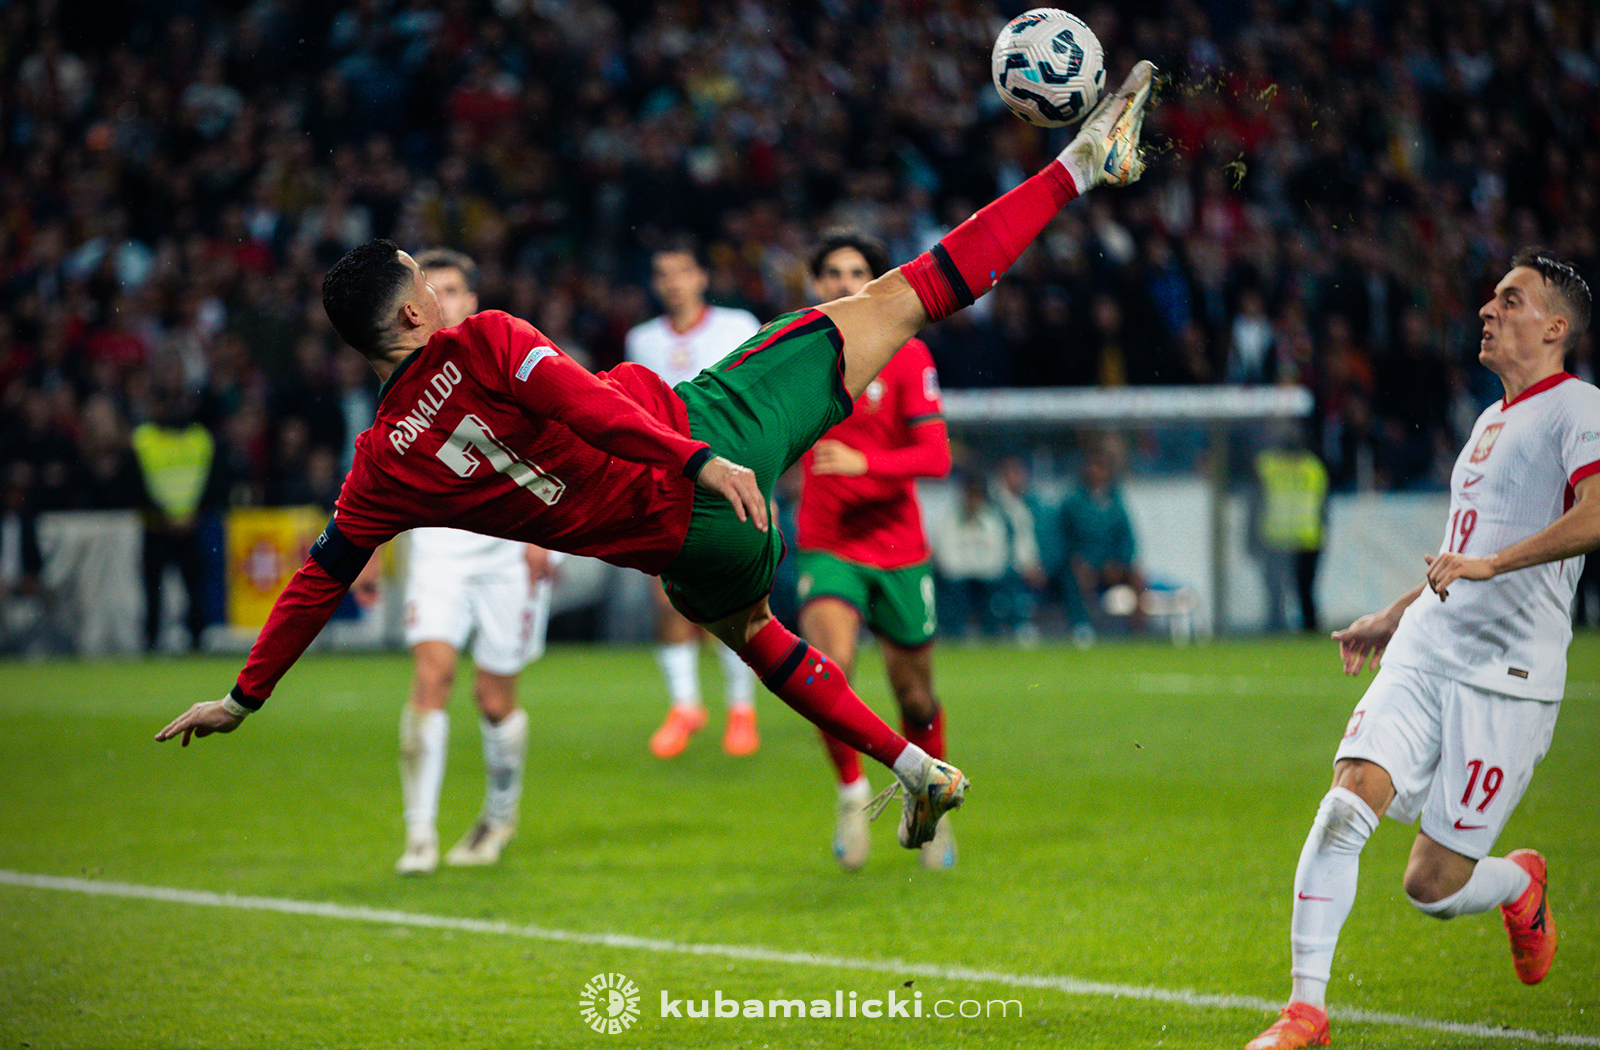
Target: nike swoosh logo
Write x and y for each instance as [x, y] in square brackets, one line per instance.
[1469, 827]
[1308, 897]
[1472, 481]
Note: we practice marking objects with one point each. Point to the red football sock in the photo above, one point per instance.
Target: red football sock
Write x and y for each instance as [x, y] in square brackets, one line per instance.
[929, 737]
[814, 686]
[970, 259]
[846, 759]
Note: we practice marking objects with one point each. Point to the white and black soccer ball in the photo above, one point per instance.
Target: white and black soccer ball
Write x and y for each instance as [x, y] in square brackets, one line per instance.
[1048, 67]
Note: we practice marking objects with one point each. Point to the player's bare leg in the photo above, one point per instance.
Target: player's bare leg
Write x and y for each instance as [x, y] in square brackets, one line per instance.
[504, 729]
[678, 655]
[1443, 883]
[805, 679]
[910, 673]
[834, 627]
[424, 741]
[878, 320]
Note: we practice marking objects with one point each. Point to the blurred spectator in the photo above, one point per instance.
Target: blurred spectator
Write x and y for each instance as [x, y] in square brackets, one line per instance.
[1288, 518]
[973, 552]
[1013, 492]
[1098, 545]
[175, 455]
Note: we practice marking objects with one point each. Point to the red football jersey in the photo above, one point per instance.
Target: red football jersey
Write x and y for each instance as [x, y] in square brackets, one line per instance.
[898, 422]
[490, 427]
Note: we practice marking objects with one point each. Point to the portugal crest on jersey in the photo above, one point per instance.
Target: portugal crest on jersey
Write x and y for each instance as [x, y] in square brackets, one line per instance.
[1486, 442]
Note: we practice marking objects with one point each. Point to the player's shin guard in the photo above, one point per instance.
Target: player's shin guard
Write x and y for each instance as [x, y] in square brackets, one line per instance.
[505, 751]
[970, 259]
[1494, 881]
[815, 686]
[845, 759]
[1325, 890]
[424, 738]
[929, 737]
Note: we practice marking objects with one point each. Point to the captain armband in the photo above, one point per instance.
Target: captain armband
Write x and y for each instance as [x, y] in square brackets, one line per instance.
[338, 557]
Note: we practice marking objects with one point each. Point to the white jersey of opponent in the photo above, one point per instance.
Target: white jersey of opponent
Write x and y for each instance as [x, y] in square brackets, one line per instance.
[1514, 477]
[676, 356]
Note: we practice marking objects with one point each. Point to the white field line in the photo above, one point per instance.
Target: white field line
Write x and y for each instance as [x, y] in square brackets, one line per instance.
[893, 967]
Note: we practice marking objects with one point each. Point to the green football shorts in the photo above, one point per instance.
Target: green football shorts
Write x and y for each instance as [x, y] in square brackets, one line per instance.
[896, 604]
[762, 407]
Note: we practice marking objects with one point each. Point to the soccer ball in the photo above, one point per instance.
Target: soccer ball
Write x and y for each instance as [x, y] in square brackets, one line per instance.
[1048, 67]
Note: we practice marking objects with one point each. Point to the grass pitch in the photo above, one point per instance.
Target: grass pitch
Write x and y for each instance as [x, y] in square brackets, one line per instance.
[1126, 858]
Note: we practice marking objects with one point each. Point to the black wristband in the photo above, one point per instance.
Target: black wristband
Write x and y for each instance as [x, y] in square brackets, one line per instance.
[697, 463]
[249, 702]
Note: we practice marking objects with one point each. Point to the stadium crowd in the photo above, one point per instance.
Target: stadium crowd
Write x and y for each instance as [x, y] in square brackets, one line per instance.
[1342, 184]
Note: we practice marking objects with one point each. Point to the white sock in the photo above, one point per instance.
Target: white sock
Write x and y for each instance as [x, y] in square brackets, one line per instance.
[1494, 881]
[505, 749]
[424, 738]
[1325, 890]
[908, 767]
[680, 666]
[739, 682]
[858, 790]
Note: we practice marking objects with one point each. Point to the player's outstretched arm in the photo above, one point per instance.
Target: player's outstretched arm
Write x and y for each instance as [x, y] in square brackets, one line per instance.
[1364, 641]
[1575, 532]
[738, 486]
[297, 617]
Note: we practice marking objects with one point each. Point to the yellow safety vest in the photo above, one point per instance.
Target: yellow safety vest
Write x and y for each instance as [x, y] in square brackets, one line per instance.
[1294, 487]
[176, 464]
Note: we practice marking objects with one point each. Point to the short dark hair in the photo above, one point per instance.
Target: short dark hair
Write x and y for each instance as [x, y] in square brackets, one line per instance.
[450, 259]
[1568, 286]
[358, 291]
[682, 244]
[871, 249]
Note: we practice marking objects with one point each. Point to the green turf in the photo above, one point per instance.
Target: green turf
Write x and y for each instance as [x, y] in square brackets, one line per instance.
[1135, 820]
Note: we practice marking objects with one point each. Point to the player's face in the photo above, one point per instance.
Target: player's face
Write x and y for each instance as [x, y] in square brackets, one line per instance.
[678, 281]
[456, 301]
[1516, 322]
[844, 272]
[423, 295]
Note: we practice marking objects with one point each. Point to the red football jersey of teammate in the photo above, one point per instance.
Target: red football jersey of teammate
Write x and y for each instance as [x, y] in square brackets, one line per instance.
[491, 428]
[874, 518]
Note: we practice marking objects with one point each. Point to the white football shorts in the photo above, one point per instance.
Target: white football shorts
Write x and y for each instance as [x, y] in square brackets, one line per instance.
[1459, 756]
[496, 607]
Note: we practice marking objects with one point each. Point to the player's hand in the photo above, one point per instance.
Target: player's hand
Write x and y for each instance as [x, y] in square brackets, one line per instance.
[1445, 569]
[738, 486]
[202, 719]
[830, 456]
[1364, 641]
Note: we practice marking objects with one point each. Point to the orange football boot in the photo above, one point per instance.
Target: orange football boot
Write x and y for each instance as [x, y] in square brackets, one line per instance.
[741, 738]
[1298, 1024]
[1529, 922]
[673, 736]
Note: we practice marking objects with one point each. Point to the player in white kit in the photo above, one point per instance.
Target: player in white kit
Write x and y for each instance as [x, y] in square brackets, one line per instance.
[461, 585]
[1463, 708]
[690, 336]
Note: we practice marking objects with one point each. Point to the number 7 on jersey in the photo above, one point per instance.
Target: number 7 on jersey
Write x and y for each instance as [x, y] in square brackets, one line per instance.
[473, 433]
